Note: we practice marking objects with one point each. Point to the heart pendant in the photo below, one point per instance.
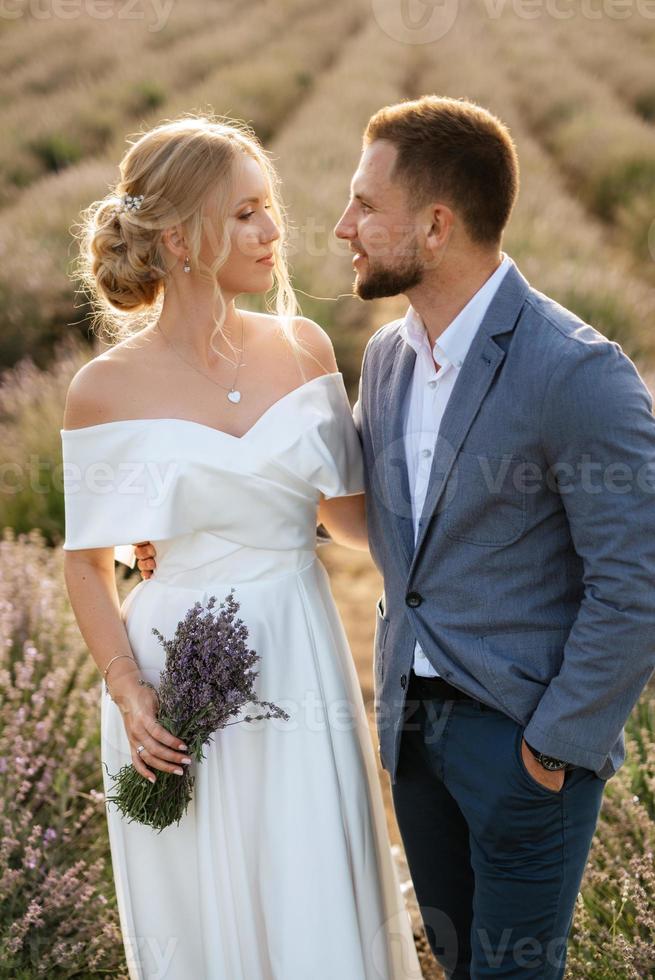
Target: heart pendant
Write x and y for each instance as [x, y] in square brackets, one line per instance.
[234, 397]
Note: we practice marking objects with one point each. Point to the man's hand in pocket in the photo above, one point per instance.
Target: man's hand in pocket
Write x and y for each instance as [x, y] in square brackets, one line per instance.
[551, 780]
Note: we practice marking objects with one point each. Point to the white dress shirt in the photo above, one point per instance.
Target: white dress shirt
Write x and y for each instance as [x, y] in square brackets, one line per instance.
[428, 394]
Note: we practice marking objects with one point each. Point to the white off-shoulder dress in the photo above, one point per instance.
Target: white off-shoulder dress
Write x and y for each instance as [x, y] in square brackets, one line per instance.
[281, 868]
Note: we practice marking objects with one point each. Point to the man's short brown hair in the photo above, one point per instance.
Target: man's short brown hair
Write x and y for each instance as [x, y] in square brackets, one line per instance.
[454, 151]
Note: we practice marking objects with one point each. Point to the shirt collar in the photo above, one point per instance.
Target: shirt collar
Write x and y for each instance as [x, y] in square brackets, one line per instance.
[453, 344]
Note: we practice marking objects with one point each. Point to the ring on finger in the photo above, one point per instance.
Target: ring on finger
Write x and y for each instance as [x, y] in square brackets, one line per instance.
[139, 749]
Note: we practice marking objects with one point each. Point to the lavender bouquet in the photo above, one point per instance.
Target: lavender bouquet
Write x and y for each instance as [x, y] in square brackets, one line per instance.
[207, 679]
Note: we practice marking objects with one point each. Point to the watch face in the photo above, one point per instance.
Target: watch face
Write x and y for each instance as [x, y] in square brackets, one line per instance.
[551, 764]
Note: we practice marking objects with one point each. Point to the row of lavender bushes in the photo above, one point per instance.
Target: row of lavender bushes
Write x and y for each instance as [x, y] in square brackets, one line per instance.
[57, 906]
[58, 915]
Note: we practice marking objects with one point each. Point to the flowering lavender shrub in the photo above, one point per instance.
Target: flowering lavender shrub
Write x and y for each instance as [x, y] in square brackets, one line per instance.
[207, 679]
[614, 925]
[57, 902]
[31, 413]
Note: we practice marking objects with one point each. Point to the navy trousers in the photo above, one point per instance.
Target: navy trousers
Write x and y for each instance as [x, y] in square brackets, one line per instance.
[495, 857]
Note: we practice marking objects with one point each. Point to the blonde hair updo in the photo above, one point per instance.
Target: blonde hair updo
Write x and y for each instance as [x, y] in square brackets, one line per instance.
[175, 166]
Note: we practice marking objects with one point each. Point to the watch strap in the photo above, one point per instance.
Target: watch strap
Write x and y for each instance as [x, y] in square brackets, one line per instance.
[541, 757]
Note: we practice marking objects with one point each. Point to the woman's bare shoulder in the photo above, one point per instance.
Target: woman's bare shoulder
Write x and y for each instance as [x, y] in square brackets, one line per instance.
[99, 391]
[316, 349]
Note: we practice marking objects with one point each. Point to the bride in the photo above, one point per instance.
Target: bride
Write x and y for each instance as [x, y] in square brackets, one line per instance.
[223, 436]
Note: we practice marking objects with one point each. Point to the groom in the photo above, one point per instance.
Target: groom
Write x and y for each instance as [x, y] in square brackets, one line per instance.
[510, 461]
[510, 466]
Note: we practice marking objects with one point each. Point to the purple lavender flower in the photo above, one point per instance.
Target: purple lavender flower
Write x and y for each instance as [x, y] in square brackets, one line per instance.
[208, 677]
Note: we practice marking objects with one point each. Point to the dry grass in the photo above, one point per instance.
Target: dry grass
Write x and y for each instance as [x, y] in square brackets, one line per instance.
[624, 63]
[304, 39]
[562, 249]
[308, 76]
[317, 152]
[605, 150]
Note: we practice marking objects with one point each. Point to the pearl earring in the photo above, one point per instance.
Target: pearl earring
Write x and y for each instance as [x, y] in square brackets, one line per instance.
[186, 267]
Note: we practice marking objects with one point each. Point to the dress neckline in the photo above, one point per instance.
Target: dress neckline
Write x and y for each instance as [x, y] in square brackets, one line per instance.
[203, 425]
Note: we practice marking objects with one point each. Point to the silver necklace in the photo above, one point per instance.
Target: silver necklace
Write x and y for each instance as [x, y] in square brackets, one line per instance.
[233, 394]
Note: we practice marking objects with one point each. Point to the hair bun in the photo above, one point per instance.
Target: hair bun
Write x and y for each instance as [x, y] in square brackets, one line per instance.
[125, 261]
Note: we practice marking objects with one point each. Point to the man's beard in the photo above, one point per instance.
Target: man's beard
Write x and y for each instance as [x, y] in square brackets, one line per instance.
[383, 282]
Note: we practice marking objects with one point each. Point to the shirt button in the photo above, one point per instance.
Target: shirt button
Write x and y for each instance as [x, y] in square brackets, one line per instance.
[431, 384]
[425, 453]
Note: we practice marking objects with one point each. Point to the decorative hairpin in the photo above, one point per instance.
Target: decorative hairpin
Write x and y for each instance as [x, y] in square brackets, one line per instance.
[129, 202]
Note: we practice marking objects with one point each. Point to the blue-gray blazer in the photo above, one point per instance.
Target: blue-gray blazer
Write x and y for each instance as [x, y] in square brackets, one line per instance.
[532, 583]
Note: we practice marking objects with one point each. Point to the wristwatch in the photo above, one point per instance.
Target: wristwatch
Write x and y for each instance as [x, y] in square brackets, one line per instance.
[548, 761]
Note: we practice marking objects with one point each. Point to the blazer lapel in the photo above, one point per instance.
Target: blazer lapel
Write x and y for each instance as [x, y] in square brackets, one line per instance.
[475, 377]
[393, 459]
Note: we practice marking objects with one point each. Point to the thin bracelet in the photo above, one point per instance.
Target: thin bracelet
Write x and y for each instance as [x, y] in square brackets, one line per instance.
[117, 657]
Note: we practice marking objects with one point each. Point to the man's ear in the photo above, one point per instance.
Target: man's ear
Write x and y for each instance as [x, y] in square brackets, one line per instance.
[441, 220]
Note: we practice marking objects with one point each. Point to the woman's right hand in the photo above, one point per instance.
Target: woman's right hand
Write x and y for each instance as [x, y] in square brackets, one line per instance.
[139, 708]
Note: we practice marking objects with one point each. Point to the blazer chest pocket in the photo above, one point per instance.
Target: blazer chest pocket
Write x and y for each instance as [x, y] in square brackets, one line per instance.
[484, 500]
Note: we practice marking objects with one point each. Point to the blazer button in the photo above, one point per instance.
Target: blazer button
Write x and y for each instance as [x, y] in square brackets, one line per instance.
[403, 681]
[413, 599]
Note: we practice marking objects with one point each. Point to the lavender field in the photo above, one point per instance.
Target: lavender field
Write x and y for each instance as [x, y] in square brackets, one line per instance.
[574, 82]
